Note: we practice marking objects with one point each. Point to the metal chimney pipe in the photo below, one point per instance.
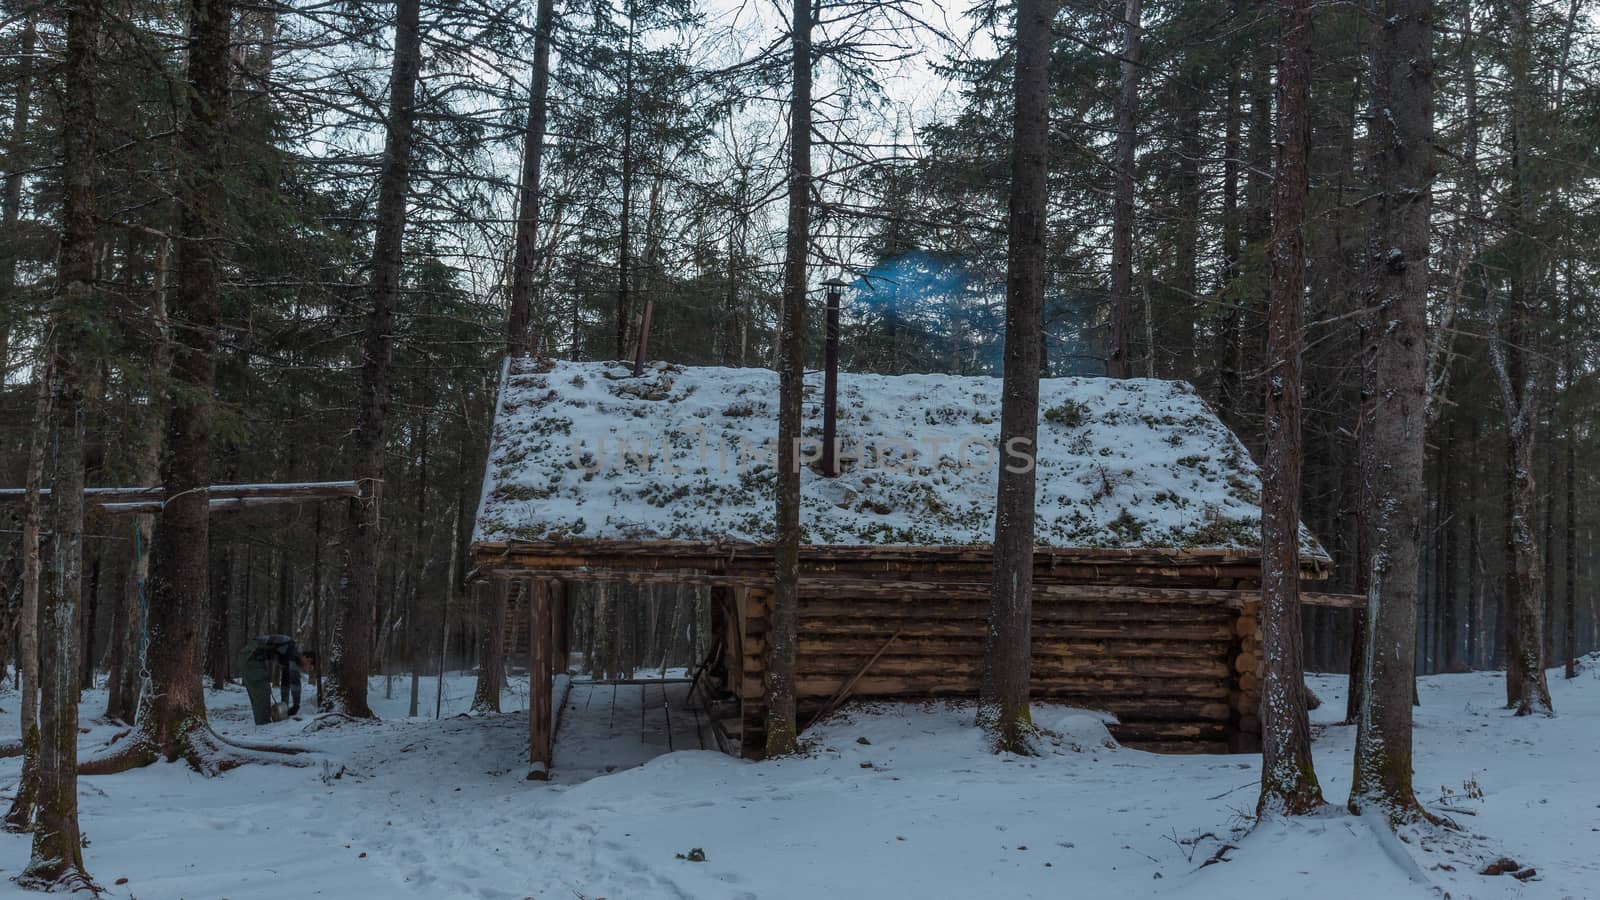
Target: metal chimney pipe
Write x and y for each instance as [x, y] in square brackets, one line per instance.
[830, 382]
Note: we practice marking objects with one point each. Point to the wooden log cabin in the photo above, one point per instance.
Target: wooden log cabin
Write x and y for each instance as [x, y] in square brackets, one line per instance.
[1146, 576]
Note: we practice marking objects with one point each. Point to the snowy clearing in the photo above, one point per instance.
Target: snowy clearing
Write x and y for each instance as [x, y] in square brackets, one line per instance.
[893, 801]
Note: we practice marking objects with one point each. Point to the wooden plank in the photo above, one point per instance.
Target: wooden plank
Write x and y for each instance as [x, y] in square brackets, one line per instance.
[1336, 601]
[1170, 731]
[1176, 631]
[541, 652]
[917, 667]
[1160, 709]
[1066, 612]
[914, 592]
[754, 686]
[1086, 687]
[1184, 746]
[972, 643]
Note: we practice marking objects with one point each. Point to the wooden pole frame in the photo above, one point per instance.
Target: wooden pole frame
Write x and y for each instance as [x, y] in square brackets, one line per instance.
[541, 658]
[222, 496]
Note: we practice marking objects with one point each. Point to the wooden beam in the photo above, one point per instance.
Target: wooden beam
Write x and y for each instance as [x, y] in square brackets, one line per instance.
[229, 504]
[819, 585]
[1336, 601]
[708, 569]
[844, 691]
[976, 553]
[632, 681]
[222, 496]
[541, 646]
[587, 575]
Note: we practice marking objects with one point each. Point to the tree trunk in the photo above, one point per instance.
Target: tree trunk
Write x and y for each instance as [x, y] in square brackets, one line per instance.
[1186, 252]
[123, 683]
[652, 241]
[1119, 361]
[1003, 700]
[89, 599]
[738, 231]
[1547, 543]
[1226, 350]
[1477, 633]
[172, 714]
[1525, 652]
[520, 339]
[57, 848]
[624, 238]
[1249, 299]
[353, 632]
[1288, 780]
[20, 815]
[283, 615]
[782, 727]
[57, 858]
[122, 686]
[15, 156]
[316, 598]
[491, 653]
[1394, 407]
[1571, 528]
[220, 630]
[1516, 369]
[1450, 533]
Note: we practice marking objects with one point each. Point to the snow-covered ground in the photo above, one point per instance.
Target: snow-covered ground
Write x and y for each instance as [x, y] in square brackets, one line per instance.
[893, 801]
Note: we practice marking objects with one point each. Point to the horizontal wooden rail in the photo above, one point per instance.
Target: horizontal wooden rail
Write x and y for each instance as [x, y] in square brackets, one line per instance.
[222, 496]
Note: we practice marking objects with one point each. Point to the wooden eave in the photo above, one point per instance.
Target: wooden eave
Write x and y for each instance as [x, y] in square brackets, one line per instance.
[590, 559]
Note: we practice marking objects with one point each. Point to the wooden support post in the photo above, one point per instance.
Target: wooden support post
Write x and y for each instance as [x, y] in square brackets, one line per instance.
[541, 646]
[558, 627]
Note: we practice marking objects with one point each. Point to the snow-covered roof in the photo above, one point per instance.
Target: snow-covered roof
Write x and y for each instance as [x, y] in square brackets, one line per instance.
[586, 451]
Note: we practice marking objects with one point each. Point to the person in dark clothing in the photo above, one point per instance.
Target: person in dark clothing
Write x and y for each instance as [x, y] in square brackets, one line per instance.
[254, 661]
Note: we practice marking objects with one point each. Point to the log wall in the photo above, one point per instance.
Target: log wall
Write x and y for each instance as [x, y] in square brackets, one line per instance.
[1179, 668]
[1166, 640]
